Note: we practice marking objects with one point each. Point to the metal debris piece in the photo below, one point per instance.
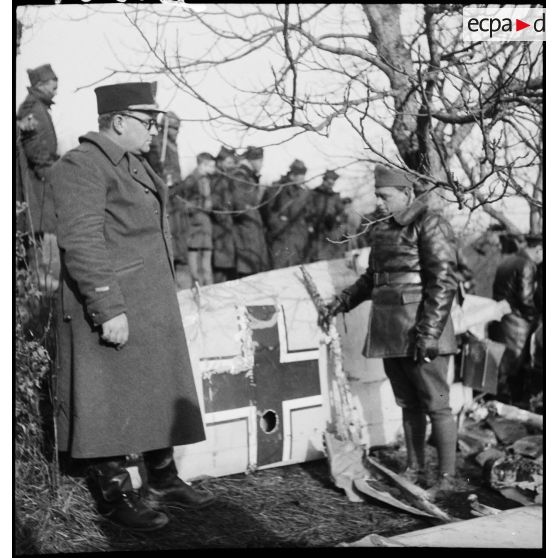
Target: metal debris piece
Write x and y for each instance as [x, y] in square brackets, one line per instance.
[417, 495]
[523, 474]
[529, 446]
[515, 413]
[372, 540]
[366, 486]
[473, 438]
[507, 431]
[345, 464]
[489, 455]
[478, 509]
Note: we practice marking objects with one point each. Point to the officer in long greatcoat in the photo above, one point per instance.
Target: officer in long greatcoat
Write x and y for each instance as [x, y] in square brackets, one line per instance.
[251, 251]
[124, 382]
[411, 280]
[286, 214]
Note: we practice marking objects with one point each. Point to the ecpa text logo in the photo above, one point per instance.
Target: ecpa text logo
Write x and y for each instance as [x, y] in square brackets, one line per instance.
[518, 23]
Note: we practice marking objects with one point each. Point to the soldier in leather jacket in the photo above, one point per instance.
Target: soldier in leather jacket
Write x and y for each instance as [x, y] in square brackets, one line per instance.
[516, 282]
[411, 279]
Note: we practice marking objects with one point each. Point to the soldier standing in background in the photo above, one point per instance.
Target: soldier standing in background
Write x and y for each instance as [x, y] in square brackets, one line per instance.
[194, 193]
[327, 211]
[249, 237]
[286, 216]
[516, 282]
[39, 144]
[411, 281]
[164, 160]
[224, 253]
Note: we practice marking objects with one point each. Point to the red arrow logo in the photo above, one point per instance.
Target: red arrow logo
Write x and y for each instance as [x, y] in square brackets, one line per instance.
[519, 25]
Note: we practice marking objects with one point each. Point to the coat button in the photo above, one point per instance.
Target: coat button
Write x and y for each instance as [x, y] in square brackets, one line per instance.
[67, 317]
[156, 211]
[135, 171]
[147, 190]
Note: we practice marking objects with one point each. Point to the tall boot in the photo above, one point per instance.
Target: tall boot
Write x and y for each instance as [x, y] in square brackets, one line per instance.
[117, 500]
[414, 428]
[444, 432]
[164, 485]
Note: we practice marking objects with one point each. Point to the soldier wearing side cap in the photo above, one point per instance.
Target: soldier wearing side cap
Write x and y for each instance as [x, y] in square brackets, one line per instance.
[40, 147]
[411, 280]
[286, 213]
[124, 381]
[327, 212]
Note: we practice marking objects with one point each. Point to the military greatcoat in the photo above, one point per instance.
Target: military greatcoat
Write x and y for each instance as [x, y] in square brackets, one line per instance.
[116, 254]
[40, 147]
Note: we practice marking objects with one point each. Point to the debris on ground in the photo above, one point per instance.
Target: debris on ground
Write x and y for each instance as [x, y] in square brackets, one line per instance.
[478, 509]
[514, 465]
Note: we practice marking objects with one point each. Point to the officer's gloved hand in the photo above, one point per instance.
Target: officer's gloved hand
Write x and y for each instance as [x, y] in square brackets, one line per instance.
[426, 349]
[332, 309]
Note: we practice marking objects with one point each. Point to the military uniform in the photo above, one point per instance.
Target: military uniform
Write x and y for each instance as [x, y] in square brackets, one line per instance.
[224, 250]
[516, 282]
[249, 238]
[285, 210]
[411, 281]
[327, 220]
[117, 260]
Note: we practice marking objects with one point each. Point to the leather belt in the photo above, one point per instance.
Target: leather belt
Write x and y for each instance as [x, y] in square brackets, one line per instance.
[396, 278]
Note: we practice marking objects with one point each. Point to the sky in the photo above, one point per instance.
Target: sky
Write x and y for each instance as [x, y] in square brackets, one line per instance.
[83, 43]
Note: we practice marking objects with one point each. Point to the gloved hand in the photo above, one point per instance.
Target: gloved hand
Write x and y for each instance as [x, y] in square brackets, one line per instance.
[332, 309]
[426, 349]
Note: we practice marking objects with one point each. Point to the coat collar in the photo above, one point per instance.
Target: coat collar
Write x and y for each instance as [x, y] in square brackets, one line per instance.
[40, 96]
[245, 167]
[111, 149]
[410, 213]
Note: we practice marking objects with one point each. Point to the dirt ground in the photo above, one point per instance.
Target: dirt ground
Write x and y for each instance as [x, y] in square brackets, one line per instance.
[293, 506]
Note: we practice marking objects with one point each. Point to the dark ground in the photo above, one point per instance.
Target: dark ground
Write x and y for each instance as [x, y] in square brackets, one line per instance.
[294, 506]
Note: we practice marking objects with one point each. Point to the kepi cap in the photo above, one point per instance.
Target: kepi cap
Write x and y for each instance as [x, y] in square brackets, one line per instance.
[174, 121]
[41, 73]
[126, 96]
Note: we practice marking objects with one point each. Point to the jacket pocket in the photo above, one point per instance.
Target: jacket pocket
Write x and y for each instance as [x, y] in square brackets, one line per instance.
[129, 267]
[409, 298]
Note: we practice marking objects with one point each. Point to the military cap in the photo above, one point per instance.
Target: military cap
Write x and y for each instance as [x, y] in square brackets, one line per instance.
[298, 167]
[126, 96]
[391, 178]
[41, 73]
[225, 152]
[174, 121]
[330, 174]
[252, 153]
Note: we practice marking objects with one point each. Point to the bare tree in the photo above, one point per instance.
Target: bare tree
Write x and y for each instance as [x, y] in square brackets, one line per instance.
[465, 117]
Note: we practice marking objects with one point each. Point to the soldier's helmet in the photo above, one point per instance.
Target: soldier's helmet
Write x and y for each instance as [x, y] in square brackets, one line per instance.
[297, 167]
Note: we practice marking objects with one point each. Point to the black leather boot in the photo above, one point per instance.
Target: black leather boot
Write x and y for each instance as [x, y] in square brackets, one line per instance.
[117, 500]
[165, 488]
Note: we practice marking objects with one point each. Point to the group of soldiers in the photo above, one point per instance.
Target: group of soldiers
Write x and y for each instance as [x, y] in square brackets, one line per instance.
[226, 225]
[125, 384]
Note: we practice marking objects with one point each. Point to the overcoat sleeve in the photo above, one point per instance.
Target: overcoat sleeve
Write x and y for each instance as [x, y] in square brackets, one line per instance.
[80, 193]
[360, 290]
[438, 262]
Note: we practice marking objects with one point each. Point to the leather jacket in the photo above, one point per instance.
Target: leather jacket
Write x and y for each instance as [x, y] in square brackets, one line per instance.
[411, 279]
[516, 281]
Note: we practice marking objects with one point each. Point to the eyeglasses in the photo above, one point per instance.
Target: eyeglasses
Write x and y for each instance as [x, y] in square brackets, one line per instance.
[147, 124]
